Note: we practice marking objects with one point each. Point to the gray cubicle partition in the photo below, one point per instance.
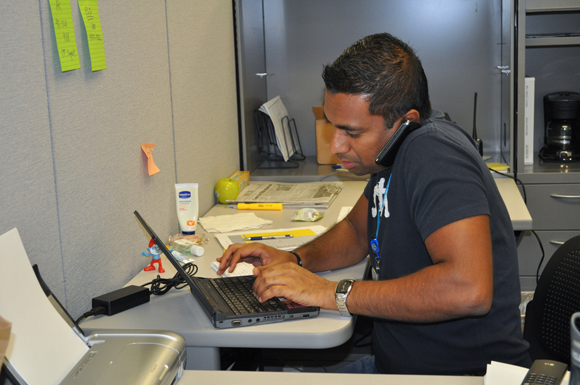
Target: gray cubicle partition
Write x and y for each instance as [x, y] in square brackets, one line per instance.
[72, 170]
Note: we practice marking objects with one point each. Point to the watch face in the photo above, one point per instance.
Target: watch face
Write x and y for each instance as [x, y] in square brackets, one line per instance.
[343, 286]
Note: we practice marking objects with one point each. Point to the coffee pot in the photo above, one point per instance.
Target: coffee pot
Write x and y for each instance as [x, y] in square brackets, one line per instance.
[562, 127]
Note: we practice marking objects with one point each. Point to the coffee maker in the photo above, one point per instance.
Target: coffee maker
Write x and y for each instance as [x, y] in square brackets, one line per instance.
[562, 125]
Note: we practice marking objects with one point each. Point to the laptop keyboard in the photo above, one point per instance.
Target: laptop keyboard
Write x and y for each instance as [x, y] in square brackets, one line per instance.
[238, 294]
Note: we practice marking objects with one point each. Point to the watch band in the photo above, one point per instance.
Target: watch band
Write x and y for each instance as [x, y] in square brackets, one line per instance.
[299, 260]
[341, 293]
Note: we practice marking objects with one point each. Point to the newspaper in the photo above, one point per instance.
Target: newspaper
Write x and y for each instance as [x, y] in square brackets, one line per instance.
[277, 112]
[317, 194]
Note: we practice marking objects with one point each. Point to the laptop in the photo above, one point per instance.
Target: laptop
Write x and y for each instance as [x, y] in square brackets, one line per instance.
[219, 297]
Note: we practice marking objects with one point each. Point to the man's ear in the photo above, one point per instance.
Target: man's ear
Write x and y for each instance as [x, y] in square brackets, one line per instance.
[413, 115]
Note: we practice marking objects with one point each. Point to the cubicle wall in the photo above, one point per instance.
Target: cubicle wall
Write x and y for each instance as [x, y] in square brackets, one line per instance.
[459, 42]
[72, 170]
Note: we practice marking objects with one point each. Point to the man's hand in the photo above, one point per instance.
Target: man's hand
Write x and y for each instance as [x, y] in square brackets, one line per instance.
[293, 282]
[257, 254]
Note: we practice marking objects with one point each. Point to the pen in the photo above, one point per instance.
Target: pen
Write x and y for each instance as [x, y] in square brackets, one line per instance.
[272, 237]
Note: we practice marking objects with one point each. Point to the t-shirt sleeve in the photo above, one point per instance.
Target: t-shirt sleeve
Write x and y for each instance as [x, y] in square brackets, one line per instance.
[443, 183]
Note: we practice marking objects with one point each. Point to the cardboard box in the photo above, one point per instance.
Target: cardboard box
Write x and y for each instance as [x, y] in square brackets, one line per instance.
[242, 177]
[324, 132]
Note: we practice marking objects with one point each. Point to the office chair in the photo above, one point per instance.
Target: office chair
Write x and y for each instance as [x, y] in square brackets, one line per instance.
[557, 297]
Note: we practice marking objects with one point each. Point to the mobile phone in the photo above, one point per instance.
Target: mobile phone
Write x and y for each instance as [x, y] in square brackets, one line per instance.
[545, 372]
[386, 157]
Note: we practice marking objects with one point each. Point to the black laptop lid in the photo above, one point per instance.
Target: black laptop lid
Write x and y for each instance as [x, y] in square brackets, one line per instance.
[193, 287]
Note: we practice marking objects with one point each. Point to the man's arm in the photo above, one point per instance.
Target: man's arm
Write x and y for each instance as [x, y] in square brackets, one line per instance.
[343, 245]
[458, 284]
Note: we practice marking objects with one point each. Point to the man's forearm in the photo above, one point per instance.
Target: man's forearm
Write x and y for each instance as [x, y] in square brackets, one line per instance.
[429, 295]
[458, 284]
[340, 247]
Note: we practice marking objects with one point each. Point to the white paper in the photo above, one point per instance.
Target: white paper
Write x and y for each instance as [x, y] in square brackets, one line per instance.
[227, 223]
[499, 373]
[530, 86]
[316, 194]
[278, 113]
[242, 268]
[43, 348]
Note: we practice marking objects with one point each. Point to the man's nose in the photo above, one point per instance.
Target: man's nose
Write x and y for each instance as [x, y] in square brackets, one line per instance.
[338, 143]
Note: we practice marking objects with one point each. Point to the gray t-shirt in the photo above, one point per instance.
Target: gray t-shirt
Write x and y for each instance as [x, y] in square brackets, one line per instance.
[439, 178]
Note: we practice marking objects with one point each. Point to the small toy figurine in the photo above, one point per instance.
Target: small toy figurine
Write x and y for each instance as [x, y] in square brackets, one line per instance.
[154, 252]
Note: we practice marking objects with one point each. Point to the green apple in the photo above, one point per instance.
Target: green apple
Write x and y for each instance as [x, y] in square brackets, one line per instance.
[226, 189]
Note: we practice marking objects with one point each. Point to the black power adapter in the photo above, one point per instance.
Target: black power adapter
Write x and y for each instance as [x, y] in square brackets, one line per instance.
[122, 299]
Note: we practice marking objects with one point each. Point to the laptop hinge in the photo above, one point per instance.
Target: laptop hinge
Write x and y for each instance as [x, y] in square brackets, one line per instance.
[82, 336]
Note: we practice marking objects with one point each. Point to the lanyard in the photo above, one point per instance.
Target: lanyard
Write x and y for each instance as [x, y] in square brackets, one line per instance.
[375, 242]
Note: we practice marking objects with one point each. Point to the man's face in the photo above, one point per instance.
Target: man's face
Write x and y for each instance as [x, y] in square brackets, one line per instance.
[358, 136]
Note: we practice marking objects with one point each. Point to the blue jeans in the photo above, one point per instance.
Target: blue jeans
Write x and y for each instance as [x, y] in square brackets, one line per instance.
[365, 365]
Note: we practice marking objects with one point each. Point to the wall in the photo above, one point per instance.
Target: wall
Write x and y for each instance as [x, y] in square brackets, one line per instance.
[72, 169]
[458, 41]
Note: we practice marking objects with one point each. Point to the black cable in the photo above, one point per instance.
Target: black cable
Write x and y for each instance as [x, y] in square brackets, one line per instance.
[541, 259]
[161, 286]
[532, 231]
[91, 313]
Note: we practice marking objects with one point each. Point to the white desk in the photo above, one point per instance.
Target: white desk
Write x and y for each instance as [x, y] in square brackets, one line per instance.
[519, 214]
[281, 378]
[178, 311]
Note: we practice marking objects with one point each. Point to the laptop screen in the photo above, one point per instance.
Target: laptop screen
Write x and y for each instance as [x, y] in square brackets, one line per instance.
[164, 250]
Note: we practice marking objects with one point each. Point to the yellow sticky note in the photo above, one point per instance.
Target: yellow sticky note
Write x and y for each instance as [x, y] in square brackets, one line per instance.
[64, 33]
[148, 150]
[498, 166]
[90, 12]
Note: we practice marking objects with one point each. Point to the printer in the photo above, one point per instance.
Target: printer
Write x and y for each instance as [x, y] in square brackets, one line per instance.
[47, 347]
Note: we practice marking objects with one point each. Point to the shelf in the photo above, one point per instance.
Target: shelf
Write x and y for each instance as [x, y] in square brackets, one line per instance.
[533, 6]
[532, 42]
[550, 172]
[308, 171]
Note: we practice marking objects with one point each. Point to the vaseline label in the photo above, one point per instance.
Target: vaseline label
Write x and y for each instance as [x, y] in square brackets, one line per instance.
[184, 194]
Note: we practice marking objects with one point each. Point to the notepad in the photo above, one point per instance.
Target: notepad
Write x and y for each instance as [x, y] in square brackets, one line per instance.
[242, 268]
[301, 235]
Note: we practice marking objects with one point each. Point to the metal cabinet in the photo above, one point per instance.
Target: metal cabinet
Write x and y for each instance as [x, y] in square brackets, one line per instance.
[547, 47]
[555, 209]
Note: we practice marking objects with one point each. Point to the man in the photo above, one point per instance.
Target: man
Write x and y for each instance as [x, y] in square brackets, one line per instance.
[445, 289]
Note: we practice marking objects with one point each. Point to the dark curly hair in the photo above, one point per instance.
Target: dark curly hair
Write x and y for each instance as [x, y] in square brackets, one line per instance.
[387, 70]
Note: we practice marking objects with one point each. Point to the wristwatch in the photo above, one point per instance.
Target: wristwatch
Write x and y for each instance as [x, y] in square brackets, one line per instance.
[341, 294]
